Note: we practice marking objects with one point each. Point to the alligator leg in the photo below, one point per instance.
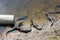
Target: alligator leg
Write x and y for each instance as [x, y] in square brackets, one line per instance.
[50, 19]
[11, 30]
[35, 26]
[17, 25]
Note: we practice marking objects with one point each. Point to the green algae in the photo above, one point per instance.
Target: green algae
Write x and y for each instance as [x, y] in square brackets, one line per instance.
[53, 38]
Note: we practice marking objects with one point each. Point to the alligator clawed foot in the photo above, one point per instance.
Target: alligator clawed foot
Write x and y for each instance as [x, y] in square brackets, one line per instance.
[50, 19]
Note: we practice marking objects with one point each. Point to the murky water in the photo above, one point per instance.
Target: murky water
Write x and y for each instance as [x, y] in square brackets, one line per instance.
[2, 28]
[14, 7]
[19, 7]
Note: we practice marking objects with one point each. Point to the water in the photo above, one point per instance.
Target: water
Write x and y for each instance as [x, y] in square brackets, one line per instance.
[2, 28]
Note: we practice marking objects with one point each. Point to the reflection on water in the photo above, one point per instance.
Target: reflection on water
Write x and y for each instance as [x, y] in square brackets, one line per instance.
[2, 28]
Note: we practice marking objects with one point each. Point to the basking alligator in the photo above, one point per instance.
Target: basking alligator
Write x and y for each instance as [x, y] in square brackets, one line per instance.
[19, 24]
